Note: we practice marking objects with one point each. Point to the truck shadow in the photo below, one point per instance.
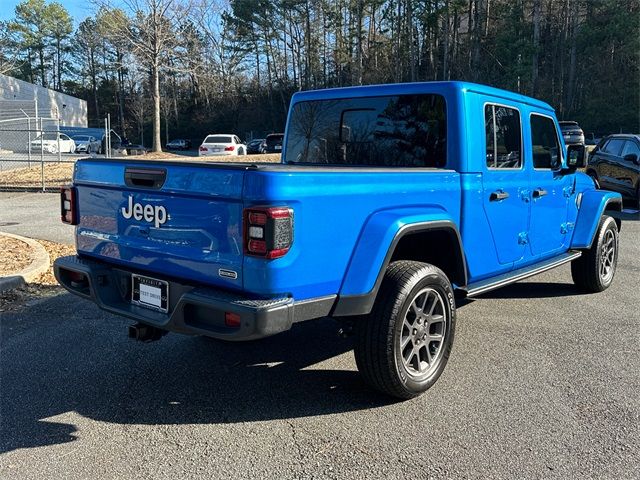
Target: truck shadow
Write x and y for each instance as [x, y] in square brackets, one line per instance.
[62, 356]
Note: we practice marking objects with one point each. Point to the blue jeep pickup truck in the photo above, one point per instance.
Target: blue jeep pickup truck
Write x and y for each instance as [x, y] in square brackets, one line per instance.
[390, 202]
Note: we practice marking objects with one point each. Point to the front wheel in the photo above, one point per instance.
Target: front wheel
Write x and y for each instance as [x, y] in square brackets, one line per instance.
[403, 346]
[594, 270]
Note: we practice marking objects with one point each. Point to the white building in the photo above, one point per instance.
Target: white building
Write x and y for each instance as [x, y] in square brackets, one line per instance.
[19, 100]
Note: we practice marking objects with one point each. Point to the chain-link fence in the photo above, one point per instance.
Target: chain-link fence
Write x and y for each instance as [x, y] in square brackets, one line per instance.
[35, 155]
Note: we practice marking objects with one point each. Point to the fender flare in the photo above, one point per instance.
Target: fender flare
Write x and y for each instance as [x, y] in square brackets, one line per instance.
[361, 304]
[592, 205]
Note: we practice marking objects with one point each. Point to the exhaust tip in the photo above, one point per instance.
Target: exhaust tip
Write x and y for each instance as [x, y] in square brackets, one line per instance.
[145, 333]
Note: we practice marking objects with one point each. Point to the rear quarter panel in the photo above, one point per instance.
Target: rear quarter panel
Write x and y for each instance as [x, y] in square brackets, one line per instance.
[336, 223]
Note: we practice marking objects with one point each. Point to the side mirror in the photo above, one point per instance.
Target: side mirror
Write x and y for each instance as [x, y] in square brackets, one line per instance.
[575, 157]
[632, 157]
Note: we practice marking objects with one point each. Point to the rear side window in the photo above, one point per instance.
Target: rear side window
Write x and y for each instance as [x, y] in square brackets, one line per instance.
[503, 135]
[390, 131]
[544, 142]
[613, 146]
[631, 147]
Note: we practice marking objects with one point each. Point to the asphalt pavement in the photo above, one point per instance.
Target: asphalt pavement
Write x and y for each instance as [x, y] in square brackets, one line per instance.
[543, 382]
[34, 215]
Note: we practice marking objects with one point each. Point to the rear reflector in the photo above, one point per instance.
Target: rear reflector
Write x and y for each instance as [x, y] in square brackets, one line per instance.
[268, 231]
[231, 319]
[76, 276]
[68, 209]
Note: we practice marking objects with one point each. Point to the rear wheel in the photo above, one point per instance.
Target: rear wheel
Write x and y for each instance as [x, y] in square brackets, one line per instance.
[594, 270]
[403, 346]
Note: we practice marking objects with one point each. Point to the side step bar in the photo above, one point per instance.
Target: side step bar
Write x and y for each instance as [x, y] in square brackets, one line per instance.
[484, 286]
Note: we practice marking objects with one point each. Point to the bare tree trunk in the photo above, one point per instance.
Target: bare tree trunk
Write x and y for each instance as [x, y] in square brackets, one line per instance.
[360, 13]
[43, 77]
[537, 6]
[412, 49]
[571, 83]
[155, 73]
[445, 55]
[475, 50]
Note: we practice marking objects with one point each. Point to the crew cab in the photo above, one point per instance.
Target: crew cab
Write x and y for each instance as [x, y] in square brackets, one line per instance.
[389, 203]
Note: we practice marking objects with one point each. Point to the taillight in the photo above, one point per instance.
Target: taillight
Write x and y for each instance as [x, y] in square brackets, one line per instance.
[68, 209]
[203, 149]
[229, 149]
[268, 231]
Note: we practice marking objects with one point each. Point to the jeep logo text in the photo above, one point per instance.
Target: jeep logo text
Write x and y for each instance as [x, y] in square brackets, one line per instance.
[149, 213]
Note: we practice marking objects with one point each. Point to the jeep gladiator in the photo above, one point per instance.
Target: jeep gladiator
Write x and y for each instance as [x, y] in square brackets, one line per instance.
[389, 202]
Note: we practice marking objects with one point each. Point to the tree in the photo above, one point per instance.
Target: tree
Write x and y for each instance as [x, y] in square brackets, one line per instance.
[151, 33]
[30, 25]
[87, 43]
[59, 28]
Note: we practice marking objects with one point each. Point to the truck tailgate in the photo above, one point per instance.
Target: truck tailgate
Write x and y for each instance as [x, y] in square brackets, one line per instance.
[176, 220]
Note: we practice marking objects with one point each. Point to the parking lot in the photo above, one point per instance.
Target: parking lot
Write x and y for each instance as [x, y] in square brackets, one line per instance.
[543, 382]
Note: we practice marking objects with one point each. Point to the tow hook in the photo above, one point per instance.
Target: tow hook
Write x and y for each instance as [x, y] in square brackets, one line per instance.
[145, 333]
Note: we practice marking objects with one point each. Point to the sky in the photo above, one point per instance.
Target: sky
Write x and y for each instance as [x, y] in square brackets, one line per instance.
[78, 9]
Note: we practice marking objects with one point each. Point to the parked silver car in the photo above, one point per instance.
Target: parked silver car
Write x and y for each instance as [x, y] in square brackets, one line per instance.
[87, 144]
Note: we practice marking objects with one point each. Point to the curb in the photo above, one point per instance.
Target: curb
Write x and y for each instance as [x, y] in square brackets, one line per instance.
[39, 265]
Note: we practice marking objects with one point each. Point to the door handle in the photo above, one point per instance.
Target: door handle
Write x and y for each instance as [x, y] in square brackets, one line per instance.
[497, 196]
[539, 192]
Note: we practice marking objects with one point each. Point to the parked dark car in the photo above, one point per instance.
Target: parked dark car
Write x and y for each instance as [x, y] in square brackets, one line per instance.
[572, 133]
[255, 146]
[273, 143]
[615, 165]
[178, 144]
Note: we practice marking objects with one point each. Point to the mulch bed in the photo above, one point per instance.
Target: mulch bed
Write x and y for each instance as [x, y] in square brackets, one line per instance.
[15, 255]
[44, 286]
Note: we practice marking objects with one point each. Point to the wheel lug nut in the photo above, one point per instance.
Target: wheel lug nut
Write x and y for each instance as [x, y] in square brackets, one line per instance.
[415, 331]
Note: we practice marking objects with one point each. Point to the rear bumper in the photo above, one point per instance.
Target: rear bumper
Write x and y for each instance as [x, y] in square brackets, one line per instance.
[217, 154]
[193, 310]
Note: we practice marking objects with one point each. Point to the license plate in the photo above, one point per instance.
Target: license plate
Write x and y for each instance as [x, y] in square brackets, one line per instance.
[150, 293]
[278, 147]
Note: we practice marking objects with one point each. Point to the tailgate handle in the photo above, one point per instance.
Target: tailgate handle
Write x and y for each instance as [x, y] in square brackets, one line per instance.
[145, 177]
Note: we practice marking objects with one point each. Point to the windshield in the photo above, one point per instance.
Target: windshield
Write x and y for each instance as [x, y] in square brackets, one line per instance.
[217, 139]
[81, 138]
[403, 130]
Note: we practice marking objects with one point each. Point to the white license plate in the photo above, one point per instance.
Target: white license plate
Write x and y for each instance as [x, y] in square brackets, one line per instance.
[278, 147]
[150, 293]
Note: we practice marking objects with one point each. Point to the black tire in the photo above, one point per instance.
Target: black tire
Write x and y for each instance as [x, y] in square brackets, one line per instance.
[378, 336]
[590, 272]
